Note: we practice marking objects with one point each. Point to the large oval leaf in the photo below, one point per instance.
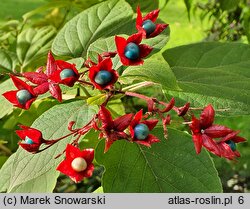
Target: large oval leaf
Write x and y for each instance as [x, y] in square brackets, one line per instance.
[159, 41]
[216, 73]
[33, 45]
[104, 45]
[5, 173]
[29, 168]
[98, 21]
[152, 70]
[8, 61]
[169, 166]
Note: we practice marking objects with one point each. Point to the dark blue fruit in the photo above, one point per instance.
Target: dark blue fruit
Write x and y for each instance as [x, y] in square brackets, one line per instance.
[67, 73]
[141, 131]
[23, 96]
[103, 77]
[132, 51]
[148, 26]
[232, 145]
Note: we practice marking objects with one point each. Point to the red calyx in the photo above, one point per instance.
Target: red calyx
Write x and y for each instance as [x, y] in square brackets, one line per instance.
[150, 139]
[153, 15]
[30, 134]
[61, 66]
[12, 95]
[121, 43]
[204, 133]
[104, 64]
[72, 153]
[113, 129]
[225, 149]
[50, 80]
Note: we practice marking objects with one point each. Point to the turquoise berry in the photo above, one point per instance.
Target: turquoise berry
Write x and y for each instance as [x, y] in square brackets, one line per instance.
[132, 51]
[28, 140]
[231, 144]
[67, 73]
[103, 77]
[141, 131]
[148, 26]
[23, 96]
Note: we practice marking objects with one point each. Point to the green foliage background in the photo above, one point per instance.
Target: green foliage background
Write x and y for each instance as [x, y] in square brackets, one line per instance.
[27, 34]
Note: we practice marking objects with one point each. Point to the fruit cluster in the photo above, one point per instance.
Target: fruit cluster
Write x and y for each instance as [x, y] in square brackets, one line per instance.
[135, 128]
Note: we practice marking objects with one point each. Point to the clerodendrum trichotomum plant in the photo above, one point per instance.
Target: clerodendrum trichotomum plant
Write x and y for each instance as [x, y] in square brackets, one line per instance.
[142, 151]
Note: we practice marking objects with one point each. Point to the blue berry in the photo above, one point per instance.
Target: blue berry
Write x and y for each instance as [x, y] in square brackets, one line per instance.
[28, 140]
[103, 77]
[232, 145]
[132, 51]
[141, 131]
[67, 73]
[23, 96]
[148, 26]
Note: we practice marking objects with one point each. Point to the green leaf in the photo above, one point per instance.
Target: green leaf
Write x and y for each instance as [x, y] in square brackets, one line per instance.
[159, 41]
[163, 3]
[152, 70]
[33, 45]
[146, 6]
[27, 168]
[104, 45]
[46, 7]
[61, 4]
[96, 100]
[188, 4]
[6, 106]
[98, 190]
[8, 61]
[37, 109]
[77, 61]
[229, 5]
[216, 73]
[43, 183]
[246, 25]
[90, 140]
[169, 166]
[101, 20]
[116, 108]
[2, 160]
[5, 173]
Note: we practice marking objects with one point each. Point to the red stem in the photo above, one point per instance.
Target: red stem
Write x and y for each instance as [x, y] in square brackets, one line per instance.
[146, 98]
